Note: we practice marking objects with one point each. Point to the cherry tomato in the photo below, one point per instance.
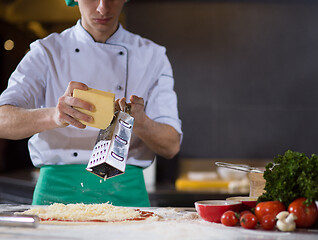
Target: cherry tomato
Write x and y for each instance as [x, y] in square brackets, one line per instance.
[306, 215]
[268, 222]
[244, 212]
[248, 221]
[268, 208]
[229, 218]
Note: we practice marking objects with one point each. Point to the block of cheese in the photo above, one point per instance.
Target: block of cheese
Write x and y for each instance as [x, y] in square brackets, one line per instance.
[103, 112]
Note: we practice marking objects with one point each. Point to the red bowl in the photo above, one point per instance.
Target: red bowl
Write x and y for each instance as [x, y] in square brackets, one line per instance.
[212, 210]
[247, 202]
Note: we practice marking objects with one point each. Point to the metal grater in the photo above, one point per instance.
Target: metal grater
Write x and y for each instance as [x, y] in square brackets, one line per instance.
[110, 152]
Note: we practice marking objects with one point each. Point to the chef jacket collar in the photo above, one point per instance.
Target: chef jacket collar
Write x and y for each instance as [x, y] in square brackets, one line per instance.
[84, 35]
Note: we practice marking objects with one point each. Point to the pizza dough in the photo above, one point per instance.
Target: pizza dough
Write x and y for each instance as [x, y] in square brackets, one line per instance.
[86, 213]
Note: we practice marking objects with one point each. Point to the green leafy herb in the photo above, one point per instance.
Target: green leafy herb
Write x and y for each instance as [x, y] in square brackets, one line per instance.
[291, 176]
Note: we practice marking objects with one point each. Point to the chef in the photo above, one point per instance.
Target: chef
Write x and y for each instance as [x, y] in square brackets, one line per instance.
[98, 53]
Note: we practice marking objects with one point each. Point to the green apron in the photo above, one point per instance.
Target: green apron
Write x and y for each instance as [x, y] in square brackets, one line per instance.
[73, 184]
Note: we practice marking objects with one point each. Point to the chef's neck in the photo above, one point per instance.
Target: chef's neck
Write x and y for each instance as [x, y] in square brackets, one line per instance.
[100, 34]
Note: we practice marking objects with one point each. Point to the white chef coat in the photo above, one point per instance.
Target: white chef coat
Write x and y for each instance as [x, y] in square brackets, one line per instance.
[126, 64]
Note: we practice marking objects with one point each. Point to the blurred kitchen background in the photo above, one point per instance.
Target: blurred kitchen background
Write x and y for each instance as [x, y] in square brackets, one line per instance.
[245, 73]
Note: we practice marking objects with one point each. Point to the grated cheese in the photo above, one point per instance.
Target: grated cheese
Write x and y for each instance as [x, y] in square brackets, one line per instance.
[84, 212]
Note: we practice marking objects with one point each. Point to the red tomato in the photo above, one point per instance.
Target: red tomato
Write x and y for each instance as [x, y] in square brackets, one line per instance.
[244, 212]
[268, 208]
[229, 218]
[268, 222]
[306, 215]
[248, 221]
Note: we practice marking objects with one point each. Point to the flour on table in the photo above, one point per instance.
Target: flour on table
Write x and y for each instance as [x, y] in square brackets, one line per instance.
[176, 214]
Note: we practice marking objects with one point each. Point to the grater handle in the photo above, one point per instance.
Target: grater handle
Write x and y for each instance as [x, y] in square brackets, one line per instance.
[127, 108]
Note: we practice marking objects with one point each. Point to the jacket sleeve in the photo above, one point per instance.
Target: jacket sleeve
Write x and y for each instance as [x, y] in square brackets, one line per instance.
[162, 99]
[26, 85]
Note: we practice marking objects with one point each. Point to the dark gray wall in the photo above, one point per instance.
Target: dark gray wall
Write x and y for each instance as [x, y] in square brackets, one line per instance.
[245, 72]
[13, 154]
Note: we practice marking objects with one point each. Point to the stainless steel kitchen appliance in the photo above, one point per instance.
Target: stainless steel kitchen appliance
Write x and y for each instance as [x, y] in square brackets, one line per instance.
[110, 152]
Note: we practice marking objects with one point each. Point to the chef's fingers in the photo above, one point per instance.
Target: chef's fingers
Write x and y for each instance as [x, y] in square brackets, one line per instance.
[68, 120]
[137, 110]
[122, 104]
[137, 106]
[74, 85]
[70, 115]
[137, 100]
[76, 102]
[116, 105]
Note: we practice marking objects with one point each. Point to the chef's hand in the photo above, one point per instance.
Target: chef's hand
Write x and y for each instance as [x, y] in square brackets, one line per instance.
[137, 109]
[66, 114]
[161, 138]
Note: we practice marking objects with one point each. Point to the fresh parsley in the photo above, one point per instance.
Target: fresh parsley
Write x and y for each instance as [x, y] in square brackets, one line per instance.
[291, 176]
